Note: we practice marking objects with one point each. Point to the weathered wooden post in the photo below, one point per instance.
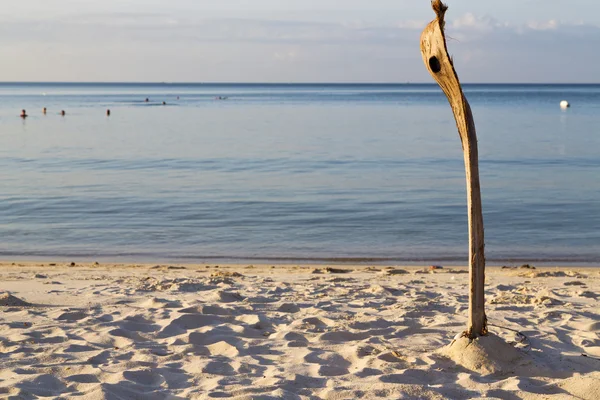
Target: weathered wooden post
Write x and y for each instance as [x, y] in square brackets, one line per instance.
[440, 66]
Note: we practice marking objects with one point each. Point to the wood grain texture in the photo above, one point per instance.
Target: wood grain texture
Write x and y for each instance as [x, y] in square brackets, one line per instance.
[440, 66]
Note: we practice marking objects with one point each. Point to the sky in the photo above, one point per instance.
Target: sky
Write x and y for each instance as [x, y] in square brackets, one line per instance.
[294, 40]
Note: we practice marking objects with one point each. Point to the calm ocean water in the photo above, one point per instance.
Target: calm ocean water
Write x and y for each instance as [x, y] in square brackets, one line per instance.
[295, 172]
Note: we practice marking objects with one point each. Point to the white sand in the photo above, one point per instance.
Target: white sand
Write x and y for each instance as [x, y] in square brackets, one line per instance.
[137, 332]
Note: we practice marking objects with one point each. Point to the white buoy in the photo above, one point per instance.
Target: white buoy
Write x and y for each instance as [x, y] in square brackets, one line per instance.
[564, 104]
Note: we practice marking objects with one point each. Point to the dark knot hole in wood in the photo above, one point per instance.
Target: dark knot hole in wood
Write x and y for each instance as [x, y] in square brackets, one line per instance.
[434, 64]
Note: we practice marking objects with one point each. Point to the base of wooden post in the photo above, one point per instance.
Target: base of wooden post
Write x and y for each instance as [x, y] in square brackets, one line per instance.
[485, 355]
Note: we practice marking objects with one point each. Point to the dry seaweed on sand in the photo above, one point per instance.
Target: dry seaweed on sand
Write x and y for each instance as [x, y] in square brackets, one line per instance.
[337, 270]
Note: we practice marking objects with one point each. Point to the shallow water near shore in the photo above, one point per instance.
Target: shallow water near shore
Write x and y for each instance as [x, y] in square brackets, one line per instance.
[311, 172]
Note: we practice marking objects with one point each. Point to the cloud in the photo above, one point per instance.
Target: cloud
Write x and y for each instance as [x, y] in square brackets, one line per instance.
[287, 55]
[153, 27]
[472, 22]
[480, 27]
[154, 46]
[543, 26]
[541, 51]
[163, 27]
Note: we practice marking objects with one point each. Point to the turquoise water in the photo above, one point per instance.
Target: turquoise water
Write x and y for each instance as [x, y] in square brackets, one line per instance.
[295, 172]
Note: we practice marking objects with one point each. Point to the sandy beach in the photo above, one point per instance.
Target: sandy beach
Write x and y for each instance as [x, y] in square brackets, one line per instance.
[108, 331]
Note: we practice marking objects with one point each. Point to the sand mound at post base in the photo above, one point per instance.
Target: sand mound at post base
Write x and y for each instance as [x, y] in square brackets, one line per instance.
[486, 355]
[8, 300]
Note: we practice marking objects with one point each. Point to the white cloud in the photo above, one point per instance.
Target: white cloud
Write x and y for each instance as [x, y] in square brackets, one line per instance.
[543, 26]
[163, 27]
[155, 46]
[472, 22]
[286, 55]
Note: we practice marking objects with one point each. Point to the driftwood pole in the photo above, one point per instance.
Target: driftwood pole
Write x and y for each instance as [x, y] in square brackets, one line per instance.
[441, 68]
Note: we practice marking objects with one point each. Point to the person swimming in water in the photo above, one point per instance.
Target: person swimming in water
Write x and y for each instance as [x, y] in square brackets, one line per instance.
[63, 113]
[23, 114]
[164, 103]
[147, 100]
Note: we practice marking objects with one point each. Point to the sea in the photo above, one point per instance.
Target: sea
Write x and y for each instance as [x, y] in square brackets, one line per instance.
[295, 173]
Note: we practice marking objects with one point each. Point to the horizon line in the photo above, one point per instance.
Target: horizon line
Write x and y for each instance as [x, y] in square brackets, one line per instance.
[285, 83]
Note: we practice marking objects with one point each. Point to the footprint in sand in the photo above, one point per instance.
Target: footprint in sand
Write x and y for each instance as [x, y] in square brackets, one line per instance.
[157, 303]
[294, 339]
[219, 368]
[72, 316]
[229, 334]
[119, 332]
[332, 370]
[221, 296]
[138, 323]
[344, 336]
[83, 378]
[190, 321]
[331, 364]
[100, 358]
[255, 321]
[45, 385]
[207, 309]
[144, 377]
[105, 318]
[313, 324]
[288, 308]
[78, 348]
[262, 300]
[366, 351]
